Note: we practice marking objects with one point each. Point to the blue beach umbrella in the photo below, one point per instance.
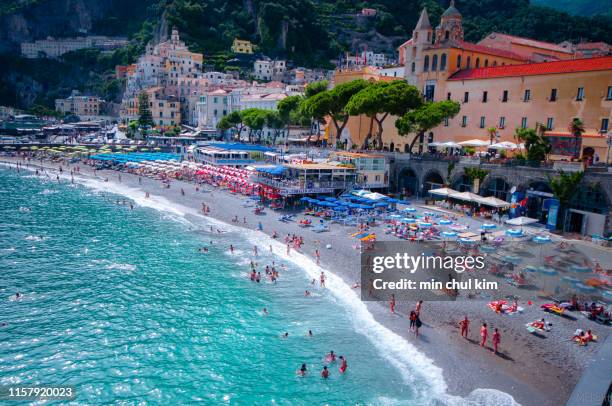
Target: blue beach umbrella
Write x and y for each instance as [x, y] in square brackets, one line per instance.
[607, 295]
[531, 269]
[542, 239]
[580, 269]
[467, 241]
[409, 220]
[448, 234]
[513, 259]
[381, 204]
[584, 288]
[446, 222]
[514, 232]
[331, 199]
[425, 225]
[410, 210]
[488, 226]
[570, 279]
[340, 208]
[305, 199]
[547, 271]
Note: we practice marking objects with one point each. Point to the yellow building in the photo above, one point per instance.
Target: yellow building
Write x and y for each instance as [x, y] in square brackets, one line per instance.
[165, 110]
[242, 46]
[497, 87]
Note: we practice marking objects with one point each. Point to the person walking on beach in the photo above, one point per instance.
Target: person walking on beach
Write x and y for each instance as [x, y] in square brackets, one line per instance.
[417, 324]
[392, 304]
[464, 324]
[484, 333]
[318, 256]
[412, 317]
[418, 307]
[255, 250]
[322, 279]
[231, 248]
[496, 340]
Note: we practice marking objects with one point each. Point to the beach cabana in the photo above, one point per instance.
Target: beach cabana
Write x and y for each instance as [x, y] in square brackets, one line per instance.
[494, 202]
[474, 143]
[445, 192]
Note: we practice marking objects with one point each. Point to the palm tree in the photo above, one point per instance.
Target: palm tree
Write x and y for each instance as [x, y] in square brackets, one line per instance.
[492, 131]
[564, 187]
[576, 128]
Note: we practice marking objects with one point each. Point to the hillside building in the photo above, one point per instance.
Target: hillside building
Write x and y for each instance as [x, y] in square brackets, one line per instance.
[79, 105]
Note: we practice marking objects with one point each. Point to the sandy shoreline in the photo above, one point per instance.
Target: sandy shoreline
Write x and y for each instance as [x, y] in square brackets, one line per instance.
[531, 369]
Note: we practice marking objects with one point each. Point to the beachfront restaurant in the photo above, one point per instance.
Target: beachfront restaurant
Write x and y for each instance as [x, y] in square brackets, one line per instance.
[372, 170]
[301, 179]
[230, 154]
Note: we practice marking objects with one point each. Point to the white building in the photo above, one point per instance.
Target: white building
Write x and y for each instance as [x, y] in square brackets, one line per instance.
[54, 47]
[370, 58]
[267, 69]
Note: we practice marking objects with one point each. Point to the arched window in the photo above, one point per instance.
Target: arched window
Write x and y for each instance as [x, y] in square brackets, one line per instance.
[443, 62]
[486, 63]
[459, 61]
[426, 64]
[469, 62]
[434, 63]
[477, 62]
[413, 66]
[447, 34]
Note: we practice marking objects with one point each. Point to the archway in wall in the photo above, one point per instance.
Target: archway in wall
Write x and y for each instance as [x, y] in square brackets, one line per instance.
[432, 180]
[392, 147]
[462, 184]
[588, 198]
[499, 188]
[588, 152]
[536, 192]
[408, 182]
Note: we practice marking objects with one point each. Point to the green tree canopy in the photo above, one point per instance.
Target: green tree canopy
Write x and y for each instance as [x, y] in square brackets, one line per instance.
[426, 117]
[332, 103]
[381, 99]
[255, 119]
[536, 145]
[315, 87]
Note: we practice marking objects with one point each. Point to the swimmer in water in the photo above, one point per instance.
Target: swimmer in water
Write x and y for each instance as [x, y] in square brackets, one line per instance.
[309, 333]
[285, 335]
[231, 248]
[343, 365]
[302, 371]
[307, 293]
[331, 357]
[265, 311]
[325, 373]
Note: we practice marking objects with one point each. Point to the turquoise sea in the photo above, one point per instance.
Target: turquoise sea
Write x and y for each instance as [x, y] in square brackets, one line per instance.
[120, 304]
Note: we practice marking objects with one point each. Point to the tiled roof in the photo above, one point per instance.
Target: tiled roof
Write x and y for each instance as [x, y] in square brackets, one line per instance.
[468, 46]
[532, 69]
[528, 42]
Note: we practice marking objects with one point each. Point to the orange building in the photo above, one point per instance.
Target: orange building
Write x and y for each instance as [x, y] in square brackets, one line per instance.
[499, 84]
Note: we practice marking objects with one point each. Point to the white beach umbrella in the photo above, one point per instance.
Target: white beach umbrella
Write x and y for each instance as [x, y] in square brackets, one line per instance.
[521, 221]
[504, 145]
[474, 143]
[494, 202]
[443, 191]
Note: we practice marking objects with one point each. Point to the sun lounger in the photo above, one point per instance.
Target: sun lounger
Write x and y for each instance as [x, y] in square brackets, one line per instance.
[553, 308]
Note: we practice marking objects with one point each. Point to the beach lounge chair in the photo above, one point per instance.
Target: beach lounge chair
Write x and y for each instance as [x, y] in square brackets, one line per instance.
[553, 308]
